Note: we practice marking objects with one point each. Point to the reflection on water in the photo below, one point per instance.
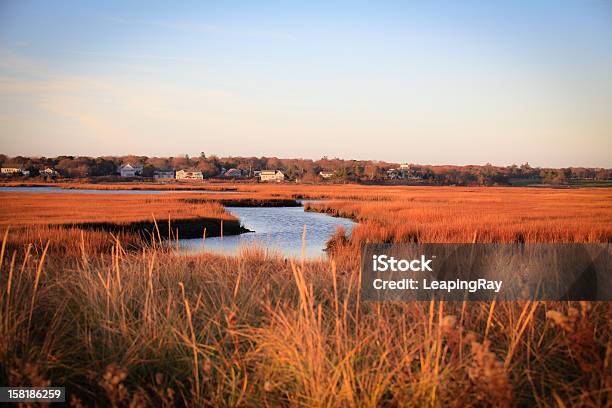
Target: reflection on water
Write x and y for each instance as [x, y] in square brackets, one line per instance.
[279, 229]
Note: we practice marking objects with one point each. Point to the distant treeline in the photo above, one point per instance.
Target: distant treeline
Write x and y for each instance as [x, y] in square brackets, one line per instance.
[336, 170]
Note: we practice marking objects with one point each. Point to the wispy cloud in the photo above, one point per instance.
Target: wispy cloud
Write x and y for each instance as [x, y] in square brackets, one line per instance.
[205, 28]
[9, 60]
[101, 107]
[150, 57]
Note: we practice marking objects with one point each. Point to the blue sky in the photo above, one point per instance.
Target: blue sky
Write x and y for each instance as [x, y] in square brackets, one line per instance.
[440, 83]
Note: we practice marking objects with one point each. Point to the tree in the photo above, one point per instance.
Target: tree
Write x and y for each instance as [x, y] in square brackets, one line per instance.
[159, 162]
[603, 174]
[78, 167]
[181, 163]
[207, 168]
[148, 170]
[371, 171]
[102, 167]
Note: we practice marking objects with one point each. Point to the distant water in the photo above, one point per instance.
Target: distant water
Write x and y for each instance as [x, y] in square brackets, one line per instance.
[276, 228]
[105, 191]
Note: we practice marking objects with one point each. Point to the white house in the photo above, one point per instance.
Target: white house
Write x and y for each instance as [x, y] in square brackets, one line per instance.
[163, 174]
[271, 175]
[404, 166]
[326, 174]
[12, 171]
[395, 174]
[130, 170]
[189, 175]
[49, 172]
[233, 173]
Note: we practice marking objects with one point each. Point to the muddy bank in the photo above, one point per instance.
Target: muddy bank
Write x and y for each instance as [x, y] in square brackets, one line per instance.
[247, 202]
[186, 228]
[331, 211]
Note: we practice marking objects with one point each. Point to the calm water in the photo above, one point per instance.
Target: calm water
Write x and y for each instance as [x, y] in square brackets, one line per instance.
[109, 191]
[276, 228]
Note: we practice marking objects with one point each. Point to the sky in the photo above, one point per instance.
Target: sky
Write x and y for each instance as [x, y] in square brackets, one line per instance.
[440, 82]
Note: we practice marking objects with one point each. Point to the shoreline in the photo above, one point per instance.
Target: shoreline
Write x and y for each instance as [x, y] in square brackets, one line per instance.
[186, 228]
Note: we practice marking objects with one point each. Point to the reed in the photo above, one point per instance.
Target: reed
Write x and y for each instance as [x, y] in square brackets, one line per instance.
[59, 218]
[209, 330]
[66, 208]
[123, 325]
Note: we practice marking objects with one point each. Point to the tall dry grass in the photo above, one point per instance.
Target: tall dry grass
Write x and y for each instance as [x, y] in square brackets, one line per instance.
[73, 222]
[160, 329]
[482, 215]
[70, 243]
[66, 208]
[156, 328]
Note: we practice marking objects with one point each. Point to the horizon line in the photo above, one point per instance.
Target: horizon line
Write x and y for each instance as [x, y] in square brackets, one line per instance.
[324, 157]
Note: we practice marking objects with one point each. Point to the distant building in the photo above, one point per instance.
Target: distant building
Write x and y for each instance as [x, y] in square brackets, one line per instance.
[13, 171]
[271, 175]
[163, 174]
[130, 170]
[404, 166]
[395, 174]
[49, 172]
[233, 173]
[189, 175]
[326, 174]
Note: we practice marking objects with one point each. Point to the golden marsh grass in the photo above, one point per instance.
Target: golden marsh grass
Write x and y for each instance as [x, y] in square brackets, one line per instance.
[153, 327]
